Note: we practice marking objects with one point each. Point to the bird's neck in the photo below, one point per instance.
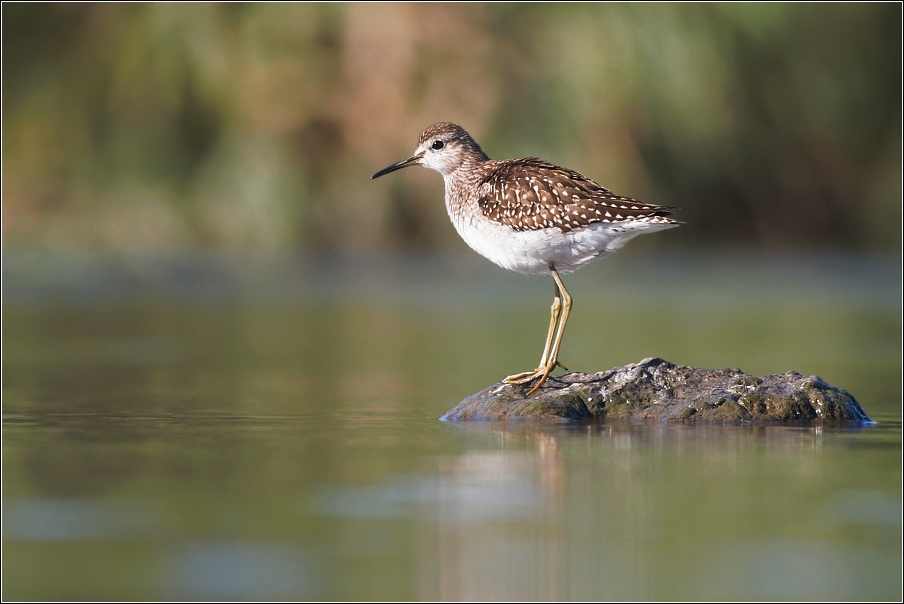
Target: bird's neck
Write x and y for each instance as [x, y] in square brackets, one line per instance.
[469, 172]
[463, 187]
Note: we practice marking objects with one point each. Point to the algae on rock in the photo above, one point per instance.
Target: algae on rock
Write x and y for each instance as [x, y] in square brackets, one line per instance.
[657, 389]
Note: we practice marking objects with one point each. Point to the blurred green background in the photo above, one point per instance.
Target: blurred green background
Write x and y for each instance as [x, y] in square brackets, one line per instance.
[180, 126]
[225, 348]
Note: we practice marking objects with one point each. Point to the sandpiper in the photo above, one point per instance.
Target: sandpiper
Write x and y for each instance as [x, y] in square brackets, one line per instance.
[532, 217]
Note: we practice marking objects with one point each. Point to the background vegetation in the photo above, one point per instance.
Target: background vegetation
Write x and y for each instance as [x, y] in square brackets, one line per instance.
[258, 126]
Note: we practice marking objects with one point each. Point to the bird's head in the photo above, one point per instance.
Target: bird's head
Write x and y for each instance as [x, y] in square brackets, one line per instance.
[443, 147]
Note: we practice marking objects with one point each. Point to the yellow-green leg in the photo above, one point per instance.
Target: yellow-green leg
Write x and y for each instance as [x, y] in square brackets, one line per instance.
[561, 308]
[523, 378]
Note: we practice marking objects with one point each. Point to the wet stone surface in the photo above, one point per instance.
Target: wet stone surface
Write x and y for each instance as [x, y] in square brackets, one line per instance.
[654, 389]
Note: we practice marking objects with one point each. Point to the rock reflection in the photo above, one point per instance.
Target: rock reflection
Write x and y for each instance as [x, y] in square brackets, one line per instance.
[628, 434]
[618, 501]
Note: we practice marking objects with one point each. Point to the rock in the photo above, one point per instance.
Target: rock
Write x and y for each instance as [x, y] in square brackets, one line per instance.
[657, 389]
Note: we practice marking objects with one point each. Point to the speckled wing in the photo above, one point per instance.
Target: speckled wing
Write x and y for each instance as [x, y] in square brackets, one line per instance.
[531, 194]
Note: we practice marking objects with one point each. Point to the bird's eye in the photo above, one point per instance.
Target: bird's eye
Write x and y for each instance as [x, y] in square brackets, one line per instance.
[438, 145]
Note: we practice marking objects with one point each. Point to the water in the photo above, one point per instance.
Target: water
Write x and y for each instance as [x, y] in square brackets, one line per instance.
[212, 426]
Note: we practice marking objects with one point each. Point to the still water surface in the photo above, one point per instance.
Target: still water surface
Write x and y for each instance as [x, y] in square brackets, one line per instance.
[208, 426]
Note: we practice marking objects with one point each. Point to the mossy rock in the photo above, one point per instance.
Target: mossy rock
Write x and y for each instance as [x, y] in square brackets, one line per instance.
[654, 389]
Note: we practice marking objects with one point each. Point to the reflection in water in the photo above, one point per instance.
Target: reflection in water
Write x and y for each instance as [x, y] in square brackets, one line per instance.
[559, 511]
[79, 519]
[522, 511]
[503, 560]
[863, 506]
[472, 501]
[237, 571]
[785, 569]
[267, 430]
[481, 486]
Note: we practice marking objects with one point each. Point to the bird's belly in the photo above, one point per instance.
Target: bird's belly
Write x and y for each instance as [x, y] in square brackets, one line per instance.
[534, 251]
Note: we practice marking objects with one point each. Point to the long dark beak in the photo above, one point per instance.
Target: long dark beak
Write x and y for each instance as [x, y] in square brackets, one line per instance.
[411, 161]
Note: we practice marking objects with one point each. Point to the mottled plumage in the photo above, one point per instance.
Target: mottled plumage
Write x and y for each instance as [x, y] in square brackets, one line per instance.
[531, 194]
[531, 216]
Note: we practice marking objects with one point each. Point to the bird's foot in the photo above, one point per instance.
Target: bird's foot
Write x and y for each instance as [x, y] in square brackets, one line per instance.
[539, 374]
[529, 376]
[523, 378]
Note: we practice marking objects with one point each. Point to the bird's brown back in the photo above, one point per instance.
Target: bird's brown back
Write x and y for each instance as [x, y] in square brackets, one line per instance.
[532, 194]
